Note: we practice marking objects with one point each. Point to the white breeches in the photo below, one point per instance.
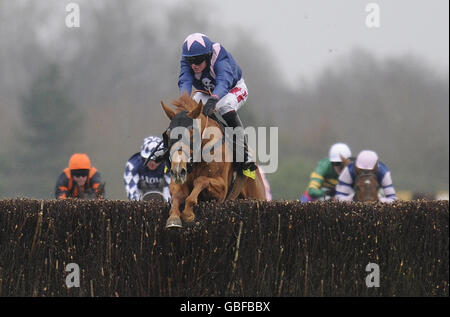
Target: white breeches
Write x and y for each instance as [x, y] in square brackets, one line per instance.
[234, 100]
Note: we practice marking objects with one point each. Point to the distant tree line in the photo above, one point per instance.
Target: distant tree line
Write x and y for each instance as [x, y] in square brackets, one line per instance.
[97, 89]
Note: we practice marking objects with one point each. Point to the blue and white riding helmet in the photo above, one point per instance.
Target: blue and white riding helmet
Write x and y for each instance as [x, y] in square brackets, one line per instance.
[148, 146]
[196, 44]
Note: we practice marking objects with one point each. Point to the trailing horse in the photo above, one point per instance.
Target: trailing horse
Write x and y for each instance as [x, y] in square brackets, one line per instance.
[152, 191]
[366, 185]
[212, 179]
[153, 195]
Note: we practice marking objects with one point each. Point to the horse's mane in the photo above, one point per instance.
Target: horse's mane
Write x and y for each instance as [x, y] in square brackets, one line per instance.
[184, 102]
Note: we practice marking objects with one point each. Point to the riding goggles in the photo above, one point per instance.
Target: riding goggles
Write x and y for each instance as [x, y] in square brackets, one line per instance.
[336, 164]
[196, 60]
[79, 173]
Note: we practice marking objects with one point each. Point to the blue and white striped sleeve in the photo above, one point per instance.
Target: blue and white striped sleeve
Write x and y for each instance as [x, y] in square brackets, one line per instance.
[388, 188]
[344, 187]
[131, 179]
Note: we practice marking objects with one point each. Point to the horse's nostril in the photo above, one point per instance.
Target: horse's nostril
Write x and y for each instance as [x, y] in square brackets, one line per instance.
[183, 172]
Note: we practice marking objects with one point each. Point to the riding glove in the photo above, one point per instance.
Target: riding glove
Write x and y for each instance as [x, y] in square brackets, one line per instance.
[209, 106]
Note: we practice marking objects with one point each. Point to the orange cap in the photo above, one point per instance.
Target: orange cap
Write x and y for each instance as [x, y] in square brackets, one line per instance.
[79, 161]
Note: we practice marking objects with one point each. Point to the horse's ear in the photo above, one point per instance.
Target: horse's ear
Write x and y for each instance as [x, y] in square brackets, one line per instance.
[194, 113]
[345, 161]
[169, 112]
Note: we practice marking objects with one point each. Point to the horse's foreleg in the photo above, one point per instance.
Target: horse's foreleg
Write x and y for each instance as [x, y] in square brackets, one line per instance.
[178, 197]
[199, 184]
[216, 187]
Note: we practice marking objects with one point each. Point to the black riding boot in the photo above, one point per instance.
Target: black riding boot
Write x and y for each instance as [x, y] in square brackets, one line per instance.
[233, 121]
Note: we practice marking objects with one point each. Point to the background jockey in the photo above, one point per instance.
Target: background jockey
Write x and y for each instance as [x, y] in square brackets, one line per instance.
[139, 178]
[210, 67]
[79, 172]
[325, 177]
[366, 160]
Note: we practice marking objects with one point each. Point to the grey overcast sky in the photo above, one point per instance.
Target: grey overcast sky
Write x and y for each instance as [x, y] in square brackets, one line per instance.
[307, 35]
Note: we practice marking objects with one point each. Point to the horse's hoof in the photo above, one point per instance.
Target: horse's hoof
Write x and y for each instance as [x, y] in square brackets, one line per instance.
[173, 223]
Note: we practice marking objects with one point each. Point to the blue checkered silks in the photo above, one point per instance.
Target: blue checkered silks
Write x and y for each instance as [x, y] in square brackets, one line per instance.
[137, 175]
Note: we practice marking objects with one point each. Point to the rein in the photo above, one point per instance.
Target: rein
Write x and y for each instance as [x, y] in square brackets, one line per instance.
[189, 164]
[206, 125]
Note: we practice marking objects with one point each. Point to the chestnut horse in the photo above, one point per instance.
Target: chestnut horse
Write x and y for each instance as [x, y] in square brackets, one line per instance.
[366, 185]
[209, 179]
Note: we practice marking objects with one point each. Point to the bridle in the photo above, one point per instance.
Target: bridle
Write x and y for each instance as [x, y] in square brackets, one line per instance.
[186, 149]
[364, 176]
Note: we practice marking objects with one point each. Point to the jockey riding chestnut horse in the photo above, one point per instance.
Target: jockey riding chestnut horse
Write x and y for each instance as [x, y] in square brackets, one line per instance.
[360, 180]
[210, 177]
